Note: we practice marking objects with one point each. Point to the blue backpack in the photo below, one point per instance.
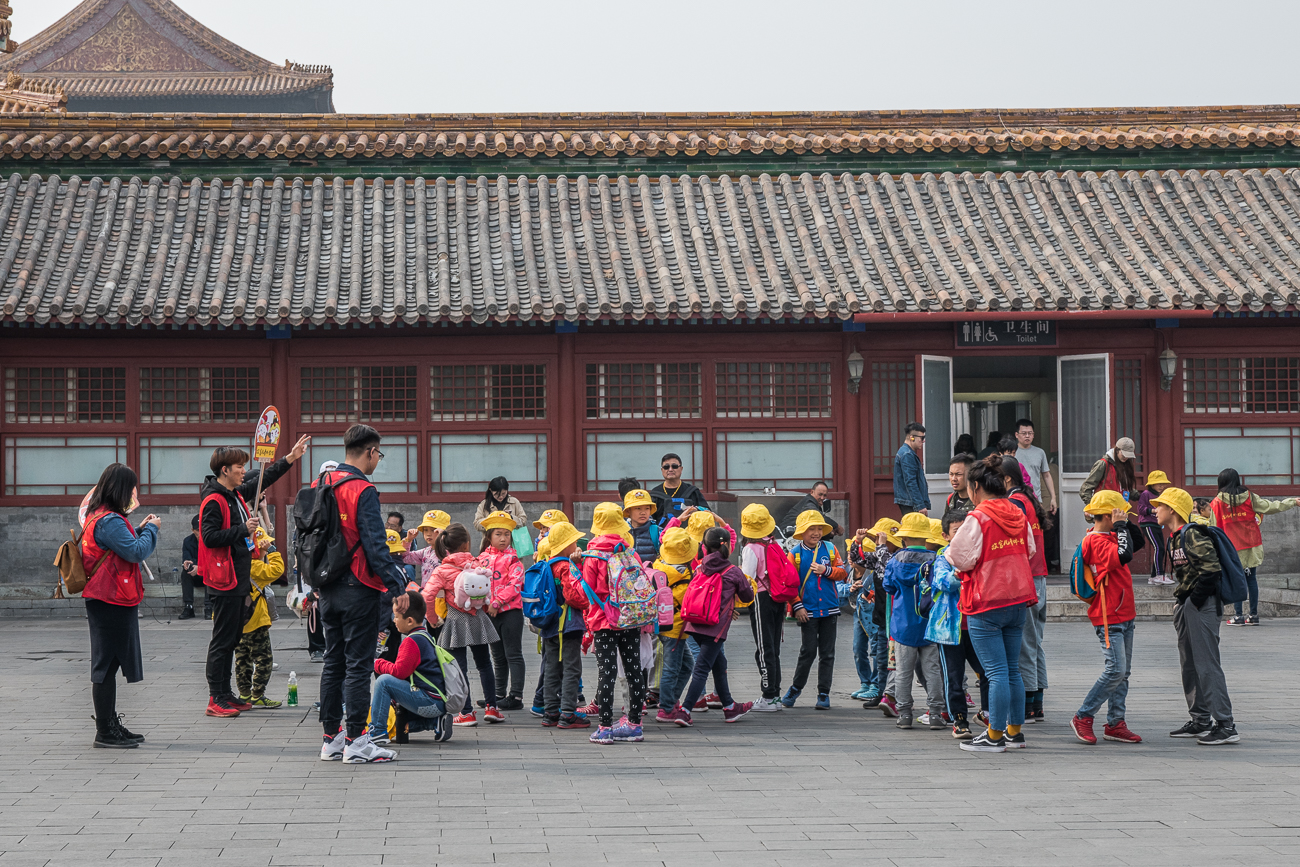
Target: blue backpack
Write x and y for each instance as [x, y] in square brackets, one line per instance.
[541, 595]
[1083, 584]
[1232, 577]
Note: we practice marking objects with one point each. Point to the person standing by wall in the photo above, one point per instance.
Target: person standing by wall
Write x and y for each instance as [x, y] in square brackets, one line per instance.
[911, 491]
[190, 574]
[1034, 461]
[818, 498]
[1114, 471]
[673, 497]
[226, 527]
[497, 499]
[1237, 510]
[958, 504]
[112, 550]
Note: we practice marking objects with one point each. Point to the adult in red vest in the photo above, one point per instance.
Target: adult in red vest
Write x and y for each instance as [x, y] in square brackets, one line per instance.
[1033, 659]
[1236, 510]
[112, 550]
[226, 527]
[992, 554]
[349, 608]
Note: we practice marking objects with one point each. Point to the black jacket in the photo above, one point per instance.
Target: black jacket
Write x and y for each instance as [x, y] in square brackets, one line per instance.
[792, 516]
[667, 507]
[234, 538]
[190, 551]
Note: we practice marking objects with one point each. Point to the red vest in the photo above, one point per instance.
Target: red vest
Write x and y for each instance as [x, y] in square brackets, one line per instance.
[215, 564]
[1239, 522]
[1038, 561]
[347, 496]
[116, 582]
[1002, 577]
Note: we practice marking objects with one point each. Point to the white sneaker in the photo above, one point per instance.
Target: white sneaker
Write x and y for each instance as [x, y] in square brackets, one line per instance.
[766, 705]
[332, 750]
[923, 719]
[362, 750]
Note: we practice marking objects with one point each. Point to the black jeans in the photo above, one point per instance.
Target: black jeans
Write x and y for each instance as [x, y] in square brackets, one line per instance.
[710, 660]
[188, 582]
[486, 679]
[954, 658]
[227, 628]
[768, 620]
[508, 652]
[818, 641]
[348, 611]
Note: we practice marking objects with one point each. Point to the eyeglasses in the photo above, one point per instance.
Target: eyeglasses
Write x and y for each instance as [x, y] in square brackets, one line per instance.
[378, 452]
[672, 466]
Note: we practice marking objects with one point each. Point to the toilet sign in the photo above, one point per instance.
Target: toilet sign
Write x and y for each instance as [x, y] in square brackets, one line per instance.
[1005, 334]
[268, 436]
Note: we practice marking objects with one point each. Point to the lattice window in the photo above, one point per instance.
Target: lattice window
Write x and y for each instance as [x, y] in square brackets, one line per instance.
[65, 395]
[1128, 400]
[774, 389]
[480, 392]
[388, 394]
[329, 394]
[1241, 385]
[192, 395]
[234, 393]
[893, 394]
[643, 390]
[458, 392]
[518, 391]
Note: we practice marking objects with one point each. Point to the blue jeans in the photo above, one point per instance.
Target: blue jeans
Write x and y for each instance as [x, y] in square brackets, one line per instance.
[997, 635]
[708, 660]
[862, 657]
[1252, 590]
[389, 689]
[678, 662]
[879, 654]
[1112, 686]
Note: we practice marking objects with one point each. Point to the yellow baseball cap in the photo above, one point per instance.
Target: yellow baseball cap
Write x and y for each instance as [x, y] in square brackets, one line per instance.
[807, 520]
[1158, 477]
[756, 522]
[677, 547]
[914, 526]
[1103, 502]
[499, 521]
[700, 523]
[394, 540]
[562, 535]
[1177, 499]
[435, 519]
[550, 518]
[636, 498]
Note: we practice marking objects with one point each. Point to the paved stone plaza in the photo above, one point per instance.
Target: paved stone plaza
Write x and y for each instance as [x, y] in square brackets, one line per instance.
[797, 787]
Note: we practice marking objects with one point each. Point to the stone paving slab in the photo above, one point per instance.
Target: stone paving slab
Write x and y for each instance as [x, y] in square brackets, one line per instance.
[792, 788]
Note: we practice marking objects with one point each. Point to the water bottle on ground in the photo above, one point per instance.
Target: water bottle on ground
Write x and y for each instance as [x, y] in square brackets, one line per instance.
[293, 689]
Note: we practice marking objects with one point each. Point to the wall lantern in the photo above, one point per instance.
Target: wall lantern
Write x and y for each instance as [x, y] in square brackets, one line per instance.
[1168, 368]
[855, 371]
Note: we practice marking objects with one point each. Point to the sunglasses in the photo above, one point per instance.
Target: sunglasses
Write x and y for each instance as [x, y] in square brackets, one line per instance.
[672, 466]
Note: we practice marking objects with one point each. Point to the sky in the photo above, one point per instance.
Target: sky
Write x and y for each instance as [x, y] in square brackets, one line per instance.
[759, 55]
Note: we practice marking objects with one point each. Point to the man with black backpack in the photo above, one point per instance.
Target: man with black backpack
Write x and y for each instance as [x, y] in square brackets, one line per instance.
[343, 550]
[1198, 568]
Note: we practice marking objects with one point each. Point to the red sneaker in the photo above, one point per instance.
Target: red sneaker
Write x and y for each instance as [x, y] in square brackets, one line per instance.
[219, 708]
[713, 701]
[1082, 726]
[701, 706]
[238, 703]
[592, 709]
[493, 715]
[681, 717]
[1120, 732]
[736, 710]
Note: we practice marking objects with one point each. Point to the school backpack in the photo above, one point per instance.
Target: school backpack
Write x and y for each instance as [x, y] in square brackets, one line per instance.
[322, 554]
[633, 597]
[472, 587]
[1083, 583]
[782, 576]
[1232, 577]
[457, 686]
[664, 599]
[71, 566]
[541, 595]
[702, 604]
[924, 593]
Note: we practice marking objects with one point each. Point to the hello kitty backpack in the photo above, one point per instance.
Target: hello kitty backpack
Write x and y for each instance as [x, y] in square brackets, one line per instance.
[472, 587]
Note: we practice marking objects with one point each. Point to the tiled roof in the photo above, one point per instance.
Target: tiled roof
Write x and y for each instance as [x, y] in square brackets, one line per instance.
[641, 247]
[82, 136]
[144, 48]
[18, 96]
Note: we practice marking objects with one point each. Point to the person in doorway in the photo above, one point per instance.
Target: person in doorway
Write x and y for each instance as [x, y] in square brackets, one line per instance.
[911, 492]
[818, 498]
[1196, 622]
[112, 551]
[226, 528]
[1157, 481]
[992, 548]
[673, 497]
[190, 574]
[958, 504]
[1114, 471]
[1033, 460]
[350, 606]
[1237, 510]
[990, 445]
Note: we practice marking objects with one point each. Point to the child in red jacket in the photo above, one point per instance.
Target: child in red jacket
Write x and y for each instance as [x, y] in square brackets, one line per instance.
[1107, 550]
[562, 640]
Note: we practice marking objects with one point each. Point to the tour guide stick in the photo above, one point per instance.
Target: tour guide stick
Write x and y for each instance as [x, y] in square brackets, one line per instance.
[268, 436]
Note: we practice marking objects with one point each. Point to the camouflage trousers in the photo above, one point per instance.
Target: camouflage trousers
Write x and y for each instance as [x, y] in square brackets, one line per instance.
[253, 662]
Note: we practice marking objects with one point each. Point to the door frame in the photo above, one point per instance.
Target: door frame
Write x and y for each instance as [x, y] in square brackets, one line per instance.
[1070, 518]
[936, 482]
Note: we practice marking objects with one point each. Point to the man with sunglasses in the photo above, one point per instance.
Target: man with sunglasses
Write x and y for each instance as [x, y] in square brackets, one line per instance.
[911, 493]
[674, 498]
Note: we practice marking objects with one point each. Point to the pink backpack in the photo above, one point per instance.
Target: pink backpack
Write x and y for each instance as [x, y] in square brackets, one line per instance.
[702, 604]
[782, 577]
[664, 594]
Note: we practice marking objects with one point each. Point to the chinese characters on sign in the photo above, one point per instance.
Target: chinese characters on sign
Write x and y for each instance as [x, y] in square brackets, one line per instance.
[1006, 334]
[268, 436]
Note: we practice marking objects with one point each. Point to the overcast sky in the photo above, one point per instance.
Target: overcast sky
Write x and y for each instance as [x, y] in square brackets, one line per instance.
[750, 55]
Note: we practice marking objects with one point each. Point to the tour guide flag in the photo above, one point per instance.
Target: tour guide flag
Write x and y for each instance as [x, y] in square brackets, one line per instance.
[268, 437]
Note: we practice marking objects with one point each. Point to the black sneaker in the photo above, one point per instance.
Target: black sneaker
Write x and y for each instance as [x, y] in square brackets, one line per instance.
[1252, 620]
[510, 702]
[1016, 741]
[317, 656]
[187, 613]
[442, 728]
[982, 743]
[114, 740]
[1192, 729]
[1220, 734]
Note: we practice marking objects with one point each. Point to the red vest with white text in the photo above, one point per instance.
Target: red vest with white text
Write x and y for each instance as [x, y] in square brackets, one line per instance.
[117, 581]
[1239, 522]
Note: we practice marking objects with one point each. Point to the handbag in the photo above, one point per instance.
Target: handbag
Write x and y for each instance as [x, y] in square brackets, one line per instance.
[522, 541]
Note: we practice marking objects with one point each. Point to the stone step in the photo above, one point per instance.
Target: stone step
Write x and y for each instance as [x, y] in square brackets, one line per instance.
[160, 600]
[1156, 602]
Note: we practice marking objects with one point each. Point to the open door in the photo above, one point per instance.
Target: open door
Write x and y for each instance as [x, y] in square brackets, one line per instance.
[1083, 388]
[936, 415]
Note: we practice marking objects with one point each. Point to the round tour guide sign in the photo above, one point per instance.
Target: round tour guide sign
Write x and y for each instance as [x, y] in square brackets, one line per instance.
[268, 436]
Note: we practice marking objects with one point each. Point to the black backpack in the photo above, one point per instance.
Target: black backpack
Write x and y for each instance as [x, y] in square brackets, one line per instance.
[319, 547]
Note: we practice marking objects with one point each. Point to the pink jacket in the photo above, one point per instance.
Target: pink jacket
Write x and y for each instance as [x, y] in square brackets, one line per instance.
[595, 574]
[507, 578]
[443, 580]
[426, 559]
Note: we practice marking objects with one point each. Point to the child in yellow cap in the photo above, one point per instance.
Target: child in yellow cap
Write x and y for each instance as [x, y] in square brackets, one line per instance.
[1157, 481]
[638, 509]
[818, 606]
[543, 525]
[676, 551]
[869, 553]
[505, 607]
[757, 534]
[431, 527]
[907, 624]
[253, 657]
[562, 639]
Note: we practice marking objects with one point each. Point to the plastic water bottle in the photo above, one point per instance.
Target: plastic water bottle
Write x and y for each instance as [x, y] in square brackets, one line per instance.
[293, 689]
